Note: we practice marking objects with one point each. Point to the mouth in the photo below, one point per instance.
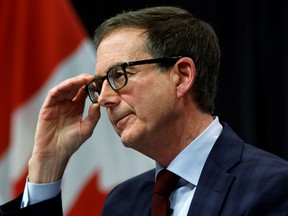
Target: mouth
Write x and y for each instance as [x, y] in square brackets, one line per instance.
[120, 120]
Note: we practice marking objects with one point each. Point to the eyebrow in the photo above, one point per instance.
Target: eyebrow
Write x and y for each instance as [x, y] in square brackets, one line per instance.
[114, 65]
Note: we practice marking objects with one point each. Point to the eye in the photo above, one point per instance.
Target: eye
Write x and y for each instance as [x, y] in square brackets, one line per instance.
[116, 73]
[117, 77]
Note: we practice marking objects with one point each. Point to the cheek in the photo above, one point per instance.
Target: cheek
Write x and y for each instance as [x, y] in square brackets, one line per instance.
[154, 101]
[150, 96]
[152, 87]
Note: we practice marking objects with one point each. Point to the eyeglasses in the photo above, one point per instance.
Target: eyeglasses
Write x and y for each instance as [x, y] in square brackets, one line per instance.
[117, 76]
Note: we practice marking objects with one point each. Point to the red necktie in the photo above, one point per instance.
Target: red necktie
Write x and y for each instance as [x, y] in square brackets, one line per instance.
[165, 183]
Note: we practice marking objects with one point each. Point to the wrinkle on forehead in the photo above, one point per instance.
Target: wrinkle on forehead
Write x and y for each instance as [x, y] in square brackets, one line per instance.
[120, 45]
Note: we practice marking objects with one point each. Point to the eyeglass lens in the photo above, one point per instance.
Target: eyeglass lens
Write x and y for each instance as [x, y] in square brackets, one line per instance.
[93, 91]
[117, 77]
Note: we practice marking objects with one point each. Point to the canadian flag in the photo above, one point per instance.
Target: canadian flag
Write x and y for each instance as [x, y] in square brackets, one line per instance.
[42, 42]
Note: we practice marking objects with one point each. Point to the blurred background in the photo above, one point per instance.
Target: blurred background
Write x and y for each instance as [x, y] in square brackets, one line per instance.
[45, 42]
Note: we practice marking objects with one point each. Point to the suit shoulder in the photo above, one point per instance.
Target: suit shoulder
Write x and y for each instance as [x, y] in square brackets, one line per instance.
[133, 195]
[137, 182]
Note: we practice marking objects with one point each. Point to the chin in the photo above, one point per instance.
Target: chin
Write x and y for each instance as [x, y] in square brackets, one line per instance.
[127, 142]
[133, 136]
[130, 139]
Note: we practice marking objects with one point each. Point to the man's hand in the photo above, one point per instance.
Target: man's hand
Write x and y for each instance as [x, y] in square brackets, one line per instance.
[61, 129]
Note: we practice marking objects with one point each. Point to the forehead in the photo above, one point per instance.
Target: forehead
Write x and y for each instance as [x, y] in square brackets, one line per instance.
[120, 45]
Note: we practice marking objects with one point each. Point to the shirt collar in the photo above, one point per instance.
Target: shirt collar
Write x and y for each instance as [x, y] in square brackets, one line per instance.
[188, 164]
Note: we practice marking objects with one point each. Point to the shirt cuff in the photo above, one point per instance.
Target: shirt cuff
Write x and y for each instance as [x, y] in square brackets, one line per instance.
[34, 193]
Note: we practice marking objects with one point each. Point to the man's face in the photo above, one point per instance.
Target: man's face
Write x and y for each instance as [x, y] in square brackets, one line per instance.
[142, 112]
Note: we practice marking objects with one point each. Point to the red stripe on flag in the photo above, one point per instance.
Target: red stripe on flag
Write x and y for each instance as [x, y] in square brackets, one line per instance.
[91, 200]
[37, 36]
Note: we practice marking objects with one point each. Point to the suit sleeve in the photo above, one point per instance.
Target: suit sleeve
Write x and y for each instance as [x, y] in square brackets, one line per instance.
[46, 208]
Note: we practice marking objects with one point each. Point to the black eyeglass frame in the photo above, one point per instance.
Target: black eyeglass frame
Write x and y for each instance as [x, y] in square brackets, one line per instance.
[99, 80]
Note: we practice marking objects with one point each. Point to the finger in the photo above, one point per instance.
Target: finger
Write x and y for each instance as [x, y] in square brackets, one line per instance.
[67, 90]
[91, 119]
[81, 95]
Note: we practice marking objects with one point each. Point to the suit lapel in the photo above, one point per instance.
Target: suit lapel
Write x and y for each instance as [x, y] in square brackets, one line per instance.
[210, 193]
[215, 180]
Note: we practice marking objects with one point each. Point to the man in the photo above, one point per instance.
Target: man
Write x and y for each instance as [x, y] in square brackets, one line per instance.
[156, 76]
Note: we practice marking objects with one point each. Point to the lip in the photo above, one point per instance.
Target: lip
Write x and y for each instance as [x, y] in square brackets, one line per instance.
[121, 121]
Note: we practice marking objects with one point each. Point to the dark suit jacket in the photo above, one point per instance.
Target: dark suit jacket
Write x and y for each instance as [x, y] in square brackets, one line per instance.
[237, 179]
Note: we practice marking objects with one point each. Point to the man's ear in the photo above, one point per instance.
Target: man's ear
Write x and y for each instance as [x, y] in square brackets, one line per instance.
[186, 71]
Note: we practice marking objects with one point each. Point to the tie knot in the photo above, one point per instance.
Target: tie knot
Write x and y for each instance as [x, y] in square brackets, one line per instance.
[165, 182]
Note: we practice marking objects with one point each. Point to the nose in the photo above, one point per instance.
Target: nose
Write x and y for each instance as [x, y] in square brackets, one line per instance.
[108, 96]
